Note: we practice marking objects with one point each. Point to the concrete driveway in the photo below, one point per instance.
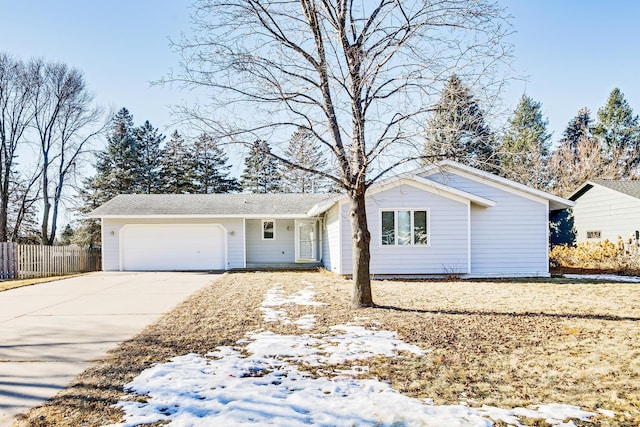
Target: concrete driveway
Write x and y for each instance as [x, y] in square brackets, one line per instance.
[51, 332]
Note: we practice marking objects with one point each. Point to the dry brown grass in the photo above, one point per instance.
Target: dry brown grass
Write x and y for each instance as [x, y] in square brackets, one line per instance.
[502, 343]
[13, 284]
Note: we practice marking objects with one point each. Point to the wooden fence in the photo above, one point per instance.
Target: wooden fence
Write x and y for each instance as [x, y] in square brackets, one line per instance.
[30, 261]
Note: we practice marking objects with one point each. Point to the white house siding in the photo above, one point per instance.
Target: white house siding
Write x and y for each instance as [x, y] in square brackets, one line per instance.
[111, 242]
[271, 251]
[331, 240]
[509, 238]
[447, 251]
[608, 211]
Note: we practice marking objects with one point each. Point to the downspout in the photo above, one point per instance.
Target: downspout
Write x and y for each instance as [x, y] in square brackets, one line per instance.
[469, 237]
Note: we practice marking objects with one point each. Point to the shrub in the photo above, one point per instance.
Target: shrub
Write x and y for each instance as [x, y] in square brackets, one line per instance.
[605, 255]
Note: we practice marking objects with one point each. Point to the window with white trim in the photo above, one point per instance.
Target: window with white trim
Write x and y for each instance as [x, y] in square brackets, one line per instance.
[268, 229]
[404, 227]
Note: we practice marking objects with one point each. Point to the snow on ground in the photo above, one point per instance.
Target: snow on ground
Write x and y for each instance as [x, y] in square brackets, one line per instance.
[260, 382]
[607, 277]
[275, 297]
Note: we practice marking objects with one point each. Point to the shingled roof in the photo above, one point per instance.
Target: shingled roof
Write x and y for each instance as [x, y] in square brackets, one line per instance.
[246, 205]
[630, 188]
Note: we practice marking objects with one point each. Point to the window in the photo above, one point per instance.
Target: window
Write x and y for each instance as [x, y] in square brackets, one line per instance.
[268, 229]
[404, 227]
[593, 234]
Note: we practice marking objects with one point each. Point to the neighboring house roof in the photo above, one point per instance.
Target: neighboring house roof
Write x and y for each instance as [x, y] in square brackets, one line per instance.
[209, 205]
[630, 188]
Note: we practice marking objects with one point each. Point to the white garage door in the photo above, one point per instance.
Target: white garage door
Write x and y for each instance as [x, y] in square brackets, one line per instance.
[156, 247]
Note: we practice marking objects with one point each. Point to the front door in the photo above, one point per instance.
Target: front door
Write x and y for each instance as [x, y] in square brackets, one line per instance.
[305, 241]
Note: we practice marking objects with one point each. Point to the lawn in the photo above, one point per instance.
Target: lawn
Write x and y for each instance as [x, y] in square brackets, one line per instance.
[504, 344]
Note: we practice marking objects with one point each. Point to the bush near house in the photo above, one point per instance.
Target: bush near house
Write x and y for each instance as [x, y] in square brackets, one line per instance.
[621, 256]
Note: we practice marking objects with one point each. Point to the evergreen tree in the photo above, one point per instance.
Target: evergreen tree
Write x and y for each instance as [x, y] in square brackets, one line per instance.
[209, 168]
[458, 130]
[525, 146]
[117, 167]
[304, 150]
[177, 161]
[618, 131]
[117, 172]
[579, 128]
[66, 237]
[149, 141]
[261, 172]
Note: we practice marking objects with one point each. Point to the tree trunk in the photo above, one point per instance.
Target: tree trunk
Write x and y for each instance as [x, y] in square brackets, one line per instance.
[360, 248]
[46, 208]
[4, 214]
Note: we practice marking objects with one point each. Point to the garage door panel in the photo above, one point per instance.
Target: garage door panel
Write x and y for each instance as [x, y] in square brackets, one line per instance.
[173, 247]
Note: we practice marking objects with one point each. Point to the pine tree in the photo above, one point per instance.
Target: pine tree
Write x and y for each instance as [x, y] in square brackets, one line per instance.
[304, 150]
[618, 131]
[149, 141]
[209, 168]
[458, 130]
[579, 128]
[117, 167]
[177, 162]
[117, 172]
[261, 172]
[66, 237]
[525, 146]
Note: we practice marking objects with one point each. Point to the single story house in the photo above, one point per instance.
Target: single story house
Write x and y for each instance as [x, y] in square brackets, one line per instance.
[446, 218]
[606, 209]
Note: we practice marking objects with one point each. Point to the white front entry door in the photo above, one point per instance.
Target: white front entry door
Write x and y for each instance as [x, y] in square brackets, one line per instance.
[305, 241]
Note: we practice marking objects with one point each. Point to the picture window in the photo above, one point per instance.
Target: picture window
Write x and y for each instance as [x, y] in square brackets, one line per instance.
[404, 227]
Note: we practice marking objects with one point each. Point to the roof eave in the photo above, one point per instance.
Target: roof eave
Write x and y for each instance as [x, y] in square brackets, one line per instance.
[201, 216]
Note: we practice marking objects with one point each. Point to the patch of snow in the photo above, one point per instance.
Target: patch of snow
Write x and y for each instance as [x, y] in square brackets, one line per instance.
[275, 297]
[276, 316]
[308, 321]
[606, 277]
[554, 414]
[607, 413]
[193, 391]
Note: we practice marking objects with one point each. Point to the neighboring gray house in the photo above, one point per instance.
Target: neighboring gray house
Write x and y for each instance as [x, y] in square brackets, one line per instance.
[607, 209]
[443, 219]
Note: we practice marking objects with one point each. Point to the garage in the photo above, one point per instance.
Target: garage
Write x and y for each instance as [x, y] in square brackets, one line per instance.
[172, 247]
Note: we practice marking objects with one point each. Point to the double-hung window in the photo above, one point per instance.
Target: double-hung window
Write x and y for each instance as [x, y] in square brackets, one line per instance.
[268, 229]
[404, 227]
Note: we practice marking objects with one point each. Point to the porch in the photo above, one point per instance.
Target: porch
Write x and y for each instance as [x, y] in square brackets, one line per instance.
[282, 243]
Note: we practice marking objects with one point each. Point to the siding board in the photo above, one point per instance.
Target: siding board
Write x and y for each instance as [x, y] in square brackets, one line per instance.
[279, 250]
[331, 240]
[510, 237]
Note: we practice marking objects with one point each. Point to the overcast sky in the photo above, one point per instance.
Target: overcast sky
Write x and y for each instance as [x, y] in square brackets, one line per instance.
[573, 52]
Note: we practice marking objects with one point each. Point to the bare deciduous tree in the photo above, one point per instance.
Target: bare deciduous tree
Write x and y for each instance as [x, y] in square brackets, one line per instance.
[65, 120]
[15, 117]
[361, 77]
[571, 165]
